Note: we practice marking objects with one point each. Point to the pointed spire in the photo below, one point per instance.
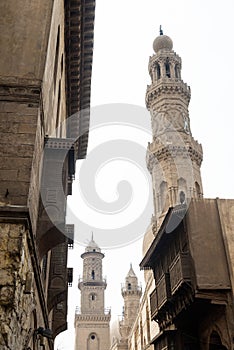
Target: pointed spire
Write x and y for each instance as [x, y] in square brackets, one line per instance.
[92, 245]
[131, 273]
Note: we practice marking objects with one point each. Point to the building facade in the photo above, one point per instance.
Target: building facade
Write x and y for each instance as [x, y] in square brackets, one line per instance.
[45, 75]
[192, 261]
[92, 319]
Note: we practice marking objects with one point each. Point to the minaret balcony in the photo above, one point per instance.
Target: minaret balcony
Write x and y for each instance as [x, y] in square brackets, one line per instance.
[134, 290]
[91, 282]
[166, 87]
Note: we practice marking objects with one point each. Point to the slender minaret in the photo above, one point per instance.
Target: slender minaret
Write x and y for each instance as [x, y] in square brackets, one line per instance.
[131, 292]
[92, 320]
[174, 157]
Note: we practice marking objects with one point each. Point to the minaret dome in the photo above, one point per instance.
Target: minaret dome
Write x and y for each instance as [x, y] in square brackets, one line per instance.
[162, 43]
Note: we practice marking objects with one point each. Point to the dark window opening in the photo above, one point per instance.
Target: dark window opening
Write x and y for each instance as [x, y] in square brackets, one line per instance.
[182, 197]
[158, 71]
[92, 337]
[168, 72]
[129, 286]
[176, 71]
[93, 274]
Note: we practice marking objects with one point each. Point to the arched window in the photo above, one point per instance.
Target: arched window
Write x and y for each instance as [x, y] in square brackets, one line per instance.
[163, 195]
[167, 69]
[92, 297]
[93, 342]
[177, 71]
[182, 197]
[182, 190]
[93, 275]
[198, 190]
[215, 342]
[158, 70]
[129, 286]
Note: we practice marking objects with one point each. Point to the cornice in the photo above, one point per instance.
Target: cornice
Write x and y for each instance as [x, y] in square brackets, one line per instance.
[161, 153]
[79, 28]
[93, 318]
[167, 87]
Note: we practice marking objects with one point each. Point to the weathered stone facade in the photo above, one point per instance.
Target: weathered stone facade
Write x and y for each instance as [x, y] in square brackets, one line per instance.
[45, 75]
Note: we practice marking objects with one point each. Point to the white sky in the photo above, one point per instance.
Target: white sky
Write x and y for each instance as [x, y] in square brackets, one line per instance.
[202, 33]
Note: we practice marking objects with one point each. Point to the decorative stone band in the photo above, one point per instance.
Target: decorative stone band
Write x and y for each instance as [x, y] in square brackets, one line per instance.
[20, 90]
[166, 86]
[93, 318]
[165, 152]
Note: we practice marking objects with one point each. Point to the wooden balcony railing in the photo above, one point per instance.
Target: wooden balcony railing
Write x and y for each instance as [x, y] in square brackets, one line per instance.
[160, 295]
[153, 304]
[180, 271]
[163, 289]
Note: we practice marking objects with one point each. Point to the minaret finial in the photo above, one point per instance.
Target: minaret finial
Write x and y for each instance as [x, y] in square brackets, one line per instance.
[92, 236]
[160, 30]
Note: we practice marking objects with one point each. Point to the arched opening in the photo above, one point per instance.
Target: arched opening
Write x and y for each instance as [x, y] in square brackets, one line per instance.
[93, 297]
[182, 191]
[158, 70]
[93, 275]
[215, 342]
[167, 69]
[129, 286]
[92, 300]
[93, 342]
[177, 71]
[197, 190]
[182, 197]
[163, 196]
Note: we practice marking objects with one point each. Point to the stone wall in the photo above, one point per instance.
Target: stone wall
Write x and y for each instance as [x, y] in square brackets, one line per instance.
[20, 307]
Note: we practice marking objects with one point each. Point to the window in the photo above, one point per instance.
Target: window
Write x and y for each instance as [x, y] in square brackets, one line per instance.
[182, 197]
[158, 71]
[93, 275]
[167, 68]
[93, 297]
[129, 286]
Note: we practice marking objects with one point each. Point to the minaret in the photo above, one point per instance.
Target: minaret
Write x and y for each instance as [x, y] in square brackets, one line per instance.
[92, 320]
[131, 292]
[174, 157]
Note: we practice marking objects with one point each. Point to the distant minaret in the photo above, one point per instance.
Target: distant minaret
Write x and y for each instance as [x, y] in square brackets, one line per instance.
[174, 157]
[92, 320]
[131, 292]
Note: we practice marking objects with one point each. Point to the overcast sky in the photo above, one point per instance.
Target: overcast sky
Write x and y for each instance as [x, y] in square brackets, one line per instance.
[202, 34]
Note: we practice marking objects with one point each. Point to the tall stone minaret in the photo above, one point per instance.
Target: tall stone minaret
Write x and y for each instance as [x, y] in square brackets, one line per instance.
[92, 320]
[131, 292]
[174, 157]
